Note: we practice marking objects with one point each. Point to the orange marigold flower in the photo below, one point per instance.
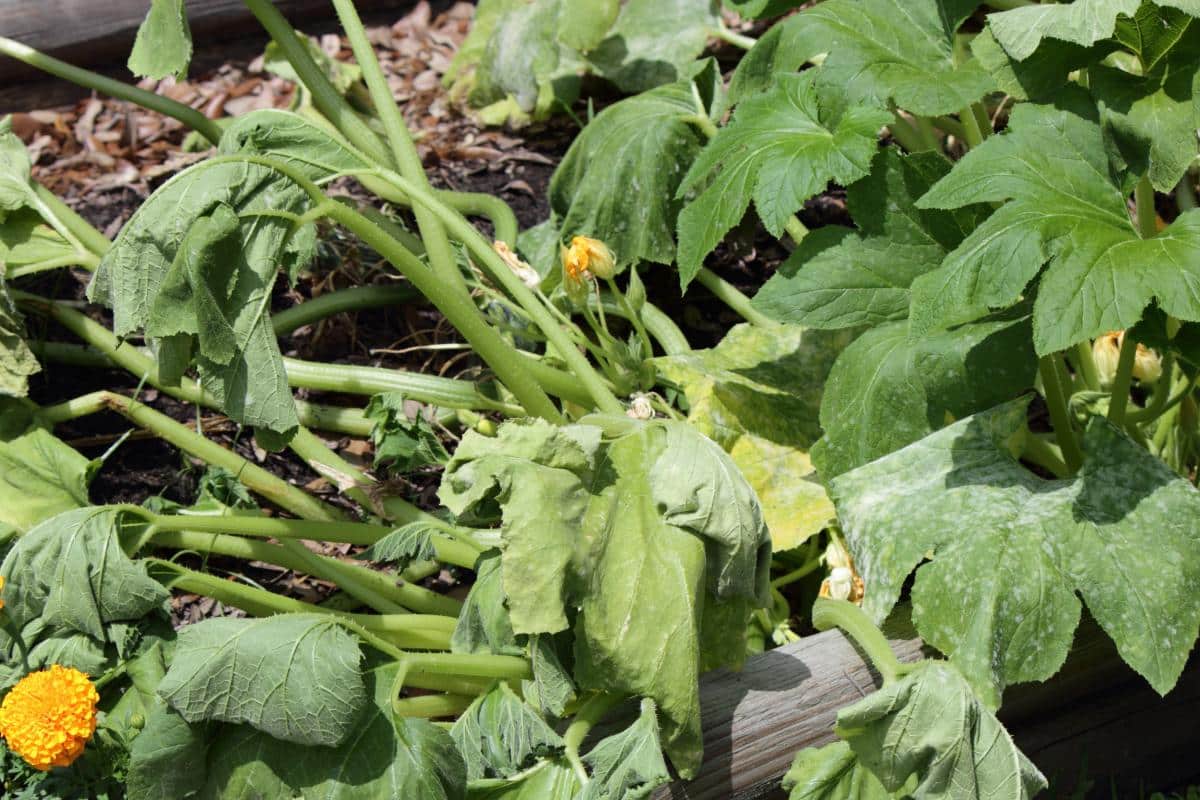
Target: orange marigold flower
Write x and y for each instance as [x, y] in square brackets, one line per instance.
[49, 716]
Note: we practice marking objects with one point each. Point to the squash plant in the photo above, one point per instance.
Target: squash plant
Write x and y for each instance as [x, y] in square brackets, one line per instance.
[988, 380]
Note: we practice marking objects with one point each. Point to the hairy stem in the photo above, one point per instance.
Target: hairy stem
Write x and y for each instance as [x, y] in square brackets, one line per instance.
[828, 613]
[589, 714]
[729, 294]
[355, 298]
[1060, 415]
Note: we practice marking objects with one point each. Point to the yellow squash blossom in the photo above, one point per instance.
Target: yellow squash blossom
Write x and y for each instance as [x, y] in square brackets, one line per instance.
[49, 716]
[586, 257]
[1106, 351]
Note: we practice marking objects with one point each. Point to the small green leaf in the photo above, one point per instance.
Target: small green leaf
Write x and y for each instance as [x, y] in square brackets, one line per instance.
[583, 24]
[402, 444]
[1066, 207]
[408, 543]
[341, 74]
[627, 765]
[998, 593]
[929, 724]
[835, 279]
[16, 185]
[71, 571]
[292, 139]
[500, 736]
[551, 688]
[163, 46]
[626, 166]
[831, 772]
[293, 676]
[781, 148]
[1083, 22]
[889, 389]
[549, 780]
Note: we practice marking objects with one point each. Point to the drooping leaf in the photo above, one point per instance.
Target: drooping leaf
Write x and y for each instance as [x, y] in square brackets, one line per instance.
[831, 772]
[1083, 22]
[383, 757]
[618, 180]
[483, 625]
[71, 571]
[668, 556]
[999, 594]
[930, 724]
[500, 735]
[402, 444]
[292, 139]
[836, 279]
[1066, 207]
[295, 677]
[758, 395]
[889, 389]
[627, 765]
[780, 149]
[654, 42]
[879, 51]
[17, 361]
[251, 381]
[163, 46]
[1154, 117]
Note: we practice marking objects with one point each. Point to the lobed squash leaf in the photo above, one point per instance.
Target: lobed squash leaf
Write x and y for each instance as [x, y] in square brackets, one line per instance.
[500, 736]
[831, 772]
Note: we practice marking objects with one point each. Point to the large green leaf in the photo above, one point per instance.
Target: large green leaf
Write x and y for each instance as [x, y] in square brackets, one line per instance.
[163, 46]
[384, 757]
[71, 571]
[780, 149]
[17, 361]
[666, 558]
[1083, 22]
[836, 279]
[930, 725]
[999, 593]
[293, 676]
[654, 42]
[831, 772]
[40, 477]
[240, 263]
[500, 735]
[889, 389]
[1154, 117]
[627, 765]
[16, 185]
[758, 395]
[879, 51]
[1065, 206]
[625, 168]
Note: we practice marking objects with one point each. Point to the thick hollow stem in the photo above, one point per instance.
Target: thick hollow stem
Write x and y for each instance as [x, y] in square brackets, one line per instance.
[828, 613]
[1060, 415]
[76, 226]
[728, 294]
[1122, 381]
[122, 91]
[1085, 365]
[589, 714]
[355, 298]
[432, 706]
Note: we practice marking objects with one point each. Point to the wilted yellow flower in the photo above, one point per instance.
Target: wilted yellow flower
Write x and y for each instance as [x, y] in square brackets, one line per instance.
[586, 257]
[522, 270]
[49, 716]
[1106, 352]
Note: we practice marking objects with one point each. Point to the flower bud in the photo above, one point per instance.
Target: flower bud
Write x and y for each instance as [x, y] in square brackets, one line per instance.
[1147, 365]
[841, 583]
[586, 257]
[640, 408]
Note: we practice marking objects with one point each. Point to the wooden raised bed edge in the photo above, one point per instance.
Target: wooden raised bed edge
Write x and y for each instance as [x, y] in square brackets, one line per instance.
[1095, 714]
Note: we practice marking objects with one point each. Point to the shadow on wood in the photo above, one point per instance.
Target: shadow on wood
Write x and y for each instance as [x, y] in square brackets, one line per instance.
[1096, 713]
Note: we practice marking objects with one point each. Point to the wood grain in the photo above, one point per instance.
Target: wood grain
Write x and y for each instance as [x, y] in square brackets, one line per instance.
[1095, 711]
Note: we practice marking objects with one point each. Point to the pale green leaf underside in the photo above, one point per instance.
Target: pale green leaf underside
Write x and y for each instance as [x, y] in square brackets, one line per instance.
[758, 395]
[1083, 22]
[999, 595]
[618, 181]
[779, 150]
[836, 279]
[500, 735]
[627, 765]
[163, 46]
[17, 361]
[929, 726]
[831, 772]
[292, 139]
[71, 571]
[295, 677]
[889, 388]
[40, 477]
[1066, 208]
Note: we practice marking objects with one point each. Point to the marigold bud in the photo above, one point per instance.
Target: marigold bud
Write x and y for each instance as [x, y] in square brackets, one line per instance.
[587, 257]
[49, 716]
